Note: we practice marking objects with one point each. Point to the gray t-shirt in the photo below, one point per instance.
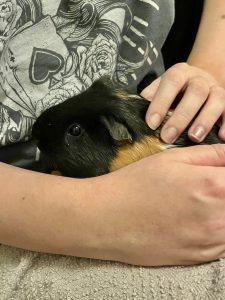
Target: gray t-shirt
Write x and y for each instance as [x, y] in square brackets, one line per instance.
[52, 50]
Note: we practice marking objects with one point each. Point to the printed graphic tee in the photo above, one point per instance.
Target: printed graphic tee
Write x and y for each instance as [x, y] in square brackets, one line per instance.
[51, 50]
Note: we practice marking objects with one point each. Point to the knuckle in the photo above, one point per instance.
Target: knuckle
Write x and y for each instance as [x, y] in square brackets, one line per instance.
[212, 189]
[218, 92]
[174, 76]
[209, 195]
[182, 116]
[160, 106]
[199, 87]
[181, 66]
[208, 181]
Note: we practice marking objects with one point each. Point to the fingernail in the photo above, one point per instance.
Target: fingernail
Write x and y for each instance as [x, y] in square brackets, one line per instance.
[154, 121]
[169, 135]
[199, 133]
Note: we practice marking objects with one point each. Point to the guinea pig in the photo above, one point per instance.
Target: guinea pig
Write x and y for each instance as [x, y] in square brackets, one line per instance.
[100, 131]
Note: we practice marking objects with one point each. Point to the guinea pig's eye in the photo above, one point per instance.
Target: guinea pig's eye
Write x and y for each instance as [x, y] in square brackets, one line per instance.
[75, 130]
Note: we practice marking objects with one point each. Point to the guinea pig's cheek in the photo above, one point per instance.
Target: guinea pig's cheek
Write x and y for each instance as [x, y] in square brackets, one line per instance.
[67, 141]
[67, 144]
[72, 140]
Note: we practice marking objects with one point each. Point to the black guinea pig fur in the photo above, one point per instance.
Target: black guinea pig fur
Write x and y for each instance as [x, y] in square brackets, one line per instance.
[101, 130]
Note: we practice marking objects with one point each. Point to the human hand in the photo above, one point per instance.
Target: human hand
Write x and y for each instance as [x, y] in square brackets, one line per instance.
[168, 209]
[200, 94]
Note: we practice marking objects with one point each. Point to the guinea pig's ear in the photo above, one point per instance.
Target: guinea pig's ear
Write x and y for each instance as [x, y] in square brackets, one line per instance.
[118, 131]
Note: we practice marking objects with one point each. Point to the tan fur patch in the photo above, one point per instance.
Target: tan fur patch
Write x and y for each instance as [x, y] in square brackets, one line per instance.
[130, 153]
[56, 173]
[123, 95]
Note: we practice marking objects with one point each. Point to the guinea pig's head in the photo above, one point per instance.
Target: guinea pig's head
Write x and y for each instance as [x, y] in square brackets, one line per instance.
[82, 135]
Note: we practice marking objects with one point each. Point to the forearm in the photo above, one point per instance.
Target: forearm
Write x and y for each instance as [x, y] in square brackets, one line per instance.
[50, 213]
[209, 48]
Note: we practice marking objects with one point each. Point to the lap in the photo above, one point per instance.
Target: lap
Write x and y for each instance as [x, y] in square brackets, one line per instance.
[32, 275]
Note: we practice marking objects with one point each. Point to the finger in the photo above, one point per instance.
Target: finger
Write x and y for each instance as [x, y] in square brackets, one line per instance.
[201, 155]
[149, 92]
[194, 97]
[171, 84]
[208, 116]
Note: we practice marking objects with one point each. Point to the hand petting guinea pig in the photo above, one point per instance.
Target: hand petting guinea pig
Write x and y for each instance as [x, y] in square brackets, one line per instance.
[100, 131]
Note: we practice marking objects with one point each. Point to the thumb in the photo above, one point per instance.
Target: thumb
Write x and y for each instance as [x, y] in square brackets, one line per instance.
[201, 155]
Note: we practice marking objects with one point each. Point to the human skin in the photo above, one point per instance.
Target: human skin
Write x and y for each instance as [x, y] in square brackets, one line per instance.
[167, 209]
[201, 80]
[174, 214]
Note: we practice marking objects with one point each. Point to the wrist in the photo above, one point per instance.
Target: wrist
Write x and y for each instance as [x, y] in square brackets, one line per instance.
[108, 215]
[213, 67]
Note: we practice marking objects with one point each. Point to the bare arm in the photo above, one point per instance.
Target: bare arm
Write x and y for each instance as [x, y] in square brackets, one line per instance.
[167, 209]
[201, 81]
[49, 213]
[209, 48]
